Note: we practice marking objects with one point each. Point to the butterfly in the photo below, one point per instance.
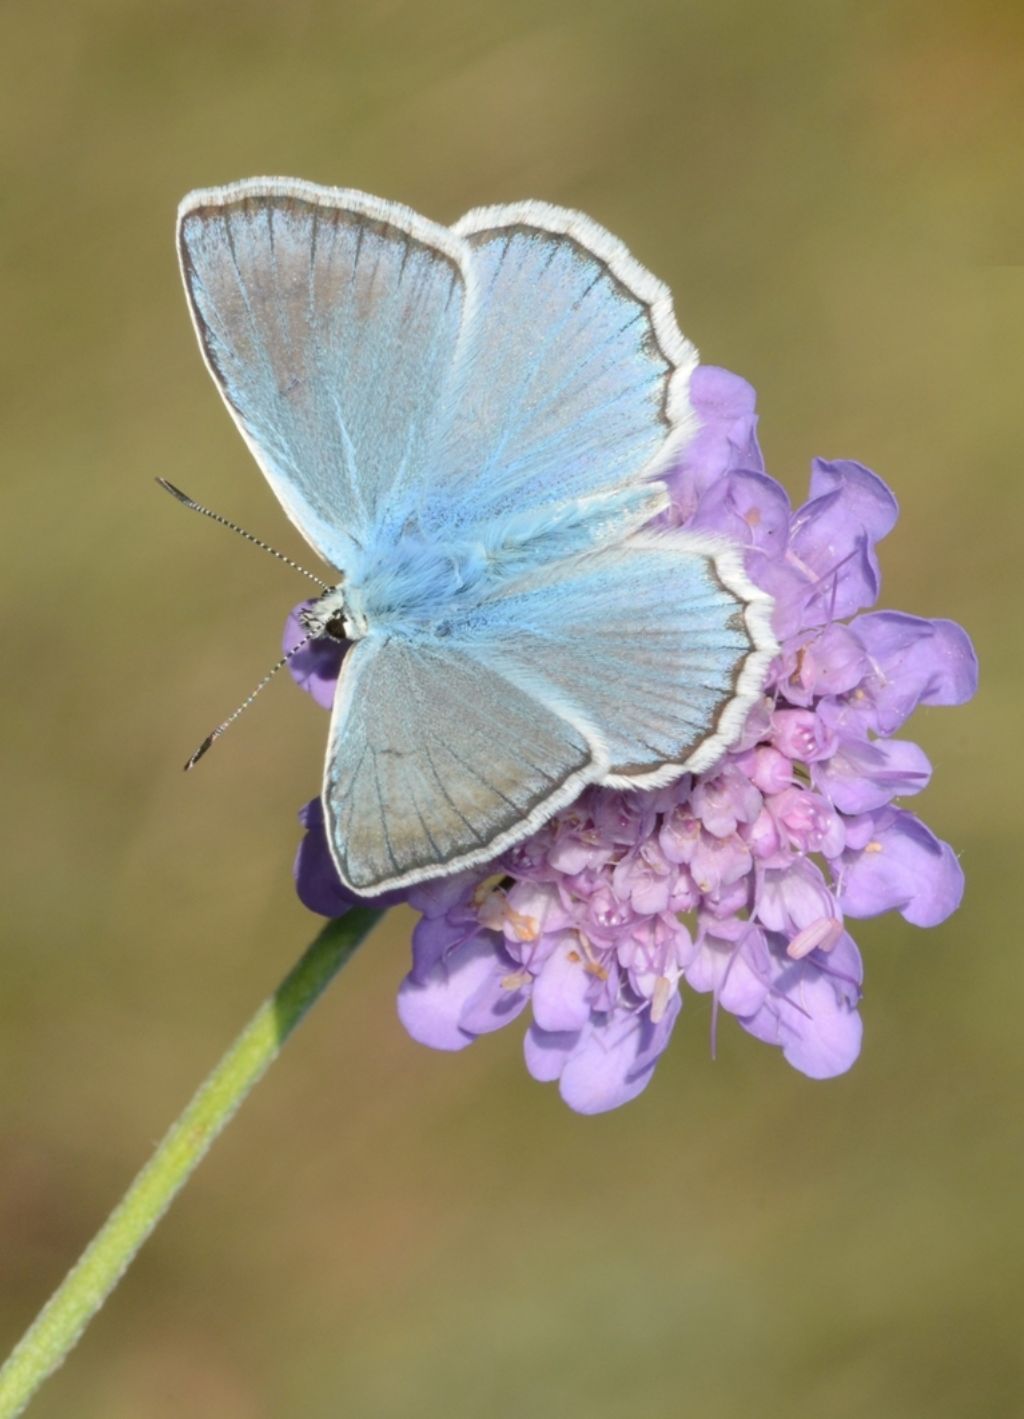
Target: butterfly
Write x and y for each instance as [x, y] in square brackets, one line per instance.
[468, 423]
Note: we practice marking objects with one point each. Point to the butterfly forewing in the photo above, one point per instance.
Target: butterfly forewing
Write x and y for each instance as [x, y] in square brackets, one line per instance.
[572, 378]
[329, 321]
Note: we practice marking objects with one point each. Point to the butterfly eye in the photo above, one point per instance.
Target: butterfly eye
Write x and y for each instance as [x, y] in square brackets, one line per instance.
[335, 627]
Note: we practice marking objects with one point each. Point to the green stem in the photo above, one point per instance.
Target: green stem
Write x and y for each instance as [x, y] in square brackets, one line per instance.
[69, 1310]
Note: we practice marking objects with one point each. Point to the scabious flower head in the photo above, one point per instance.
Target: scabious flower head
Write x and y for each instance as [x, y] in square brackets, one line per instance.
[739, 882]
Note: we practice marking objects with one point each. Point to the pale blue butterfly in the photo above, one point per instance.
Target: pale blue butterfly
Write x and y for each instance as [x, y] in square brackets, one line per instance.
[468, 423]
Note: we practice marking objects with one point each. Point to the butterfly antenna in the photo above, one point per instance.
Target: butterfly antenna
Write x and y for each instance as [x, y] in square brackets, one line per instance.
[234, 527]
[212, 738]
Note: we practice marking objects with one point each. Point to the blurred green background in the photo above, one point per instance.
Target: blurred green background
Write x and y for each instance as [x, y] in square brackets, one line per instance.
[833, 192]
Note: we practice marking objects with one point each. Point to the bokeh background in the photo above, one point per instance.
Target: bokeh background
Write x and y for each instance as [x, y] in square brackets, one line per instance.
[833, 192]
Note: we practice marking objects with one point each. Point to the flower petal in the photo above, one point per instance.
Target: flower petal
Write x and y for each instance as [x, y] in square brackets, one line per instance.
[811, 1009]
[432, 1003]
[749, 508]
[802, 735]
[733, 970]
[560, 991]
[548, 1051]
[862, 775]
[829, 663]
[864, 496]
[615, 1059]
[904, 867]
[790, 898]
[913, 662]
[819, 1031]
[833, 535]
[501, 996]
[727, 439]
[443, 894]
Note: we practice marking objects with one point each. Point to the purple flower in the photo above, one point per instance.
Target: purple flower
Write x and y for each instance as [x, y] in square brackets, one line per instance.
[316, 666]
[736, 883]
[316, 878]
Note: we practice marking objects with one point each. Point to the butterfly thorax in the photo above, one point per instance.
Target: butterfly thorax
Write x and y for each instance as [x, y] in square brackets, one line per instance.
[416, 584]
[414, 588]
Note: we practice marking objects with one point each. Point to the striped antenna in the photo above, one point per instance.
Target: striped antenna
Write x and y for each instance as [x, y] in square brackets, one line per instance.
[188, 502]
[215, 734]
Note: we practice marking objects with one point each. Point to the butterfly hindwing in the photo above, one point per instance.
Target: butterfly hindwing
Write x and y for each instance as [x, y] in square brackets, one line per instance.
[436, 760]
[659, 642]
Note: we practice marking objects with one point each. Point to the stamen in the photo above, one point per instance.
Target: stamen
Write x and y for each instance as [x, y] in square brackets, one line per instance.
[660, 998]
[822, 934]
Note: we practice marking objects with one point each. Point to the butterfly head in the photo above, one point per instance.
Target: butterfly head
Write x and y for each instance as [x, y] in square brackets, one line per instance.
[329, 616]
